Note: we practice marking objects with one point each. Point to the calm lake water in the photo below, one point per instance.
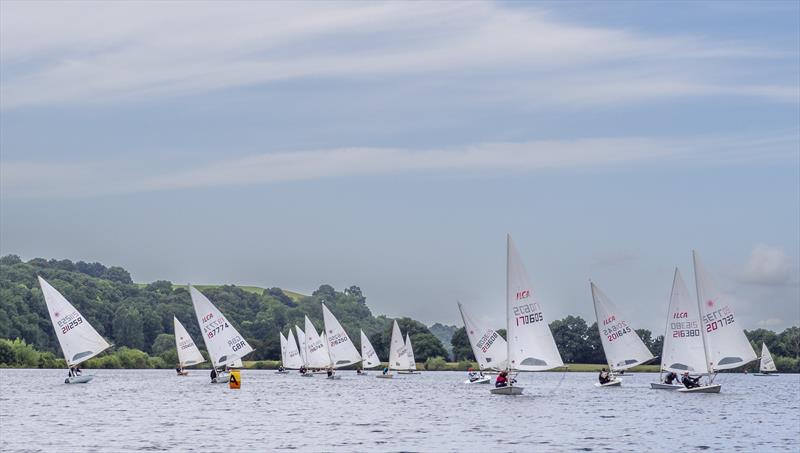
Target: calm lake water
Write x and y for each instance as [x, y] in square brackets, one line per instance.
[134, 410]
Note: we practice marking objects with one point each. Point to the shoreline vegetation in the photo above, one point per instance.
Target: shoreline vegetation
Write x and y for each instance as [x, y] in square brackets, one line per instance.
[138, 319]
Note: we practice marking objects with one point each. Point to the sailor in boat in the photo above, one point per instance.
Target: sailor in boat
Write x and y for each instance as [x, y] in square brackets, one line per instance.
[303, 369]
[358, 371]
[330, 372]
[502, 380]
[179, 369]
[604, 377]
[473, 376]
[386, 370]
[213, 374]
[281, 369]
[670, 378]
[690, 382]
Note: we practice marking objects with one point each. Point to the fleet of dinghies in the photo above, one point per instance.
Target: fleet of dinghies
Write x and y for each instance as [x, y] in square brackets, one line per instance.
[701, 338]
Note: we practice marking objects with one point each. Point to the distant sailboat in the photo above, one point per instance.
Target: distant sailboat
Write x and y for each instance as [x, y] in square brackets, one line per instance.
[78, 340]
[488, 347]
[316, 352]
[398, 353]
[294, 360]
[188, 354]
[683, 348]
[411, 362]
[621, 344]
[341, 351]
[225, 345]
[369, 357]
[531, 346]
[767, 366]
[284, 346]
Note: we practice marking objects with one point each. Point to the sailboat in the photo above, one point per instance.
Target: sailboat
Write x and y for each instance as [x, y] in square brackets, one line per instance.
[621, 344]
[488, 347]
[767, 366]
[531, 346]
[411, 362]
[341, 351]
[284, 346]
[188, 354]
[683, 348]
[398, 353]
[294, 360]
[316, 352]
[225, 345]
[301, 340]
[78, 340]
[369, 357]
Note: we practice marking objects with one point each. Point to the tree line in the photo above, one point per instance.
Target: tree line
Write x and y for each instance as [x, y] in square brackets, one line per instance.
[137, 319]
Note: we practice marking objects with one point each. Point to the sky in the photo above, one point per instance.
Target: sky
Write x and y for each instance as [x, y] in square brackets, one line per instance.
[393, 146]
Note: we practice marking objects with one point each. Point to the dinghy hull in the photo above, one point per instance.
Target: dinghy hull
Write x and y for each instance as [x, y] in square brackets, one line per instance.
[222, 378]
[335, 376]
[384, 376]
[766, 374]
[483, 380]
[510, 390]
[78, 379]
[408, 372]
[307, 375]
[715, 388]
[662, 386]
[614, 383]
[281, 372]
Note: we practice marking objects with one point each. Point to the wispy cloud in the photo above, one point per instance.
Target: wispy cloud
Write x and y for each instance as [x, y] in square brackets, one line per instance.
[768, 266]
[65, 52]
[56, 179]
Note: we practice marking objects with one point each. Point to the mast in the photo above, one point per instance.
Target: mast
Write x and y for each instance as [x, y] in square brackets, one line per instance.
[597, 317]
[709, 366]
[508, 298]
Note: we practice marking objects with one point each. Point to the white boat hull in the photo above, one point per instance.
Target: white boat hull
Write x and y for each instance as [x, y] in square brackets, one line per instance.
[483, 380]
[335, 376]
[662, 386]
[307, 375]
[508, 390]
[222, 378]
[408, 372]
[612, 383]
[714, 388]
[282, 372]
[384, 376]
[79, 379]
[766, 374]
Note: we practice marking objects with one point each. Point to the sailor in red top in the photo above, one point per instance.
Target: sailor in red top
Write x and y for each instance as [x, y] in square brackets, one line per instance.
[501, 380]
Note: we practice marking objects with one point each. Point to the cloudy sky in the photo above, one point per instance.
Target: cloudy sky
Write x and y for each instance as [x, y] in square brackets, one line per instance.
[393, 146]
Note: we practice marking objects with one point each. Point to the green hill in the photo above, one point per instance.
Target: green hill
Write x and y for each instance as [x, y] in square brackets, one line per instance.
[139, 315]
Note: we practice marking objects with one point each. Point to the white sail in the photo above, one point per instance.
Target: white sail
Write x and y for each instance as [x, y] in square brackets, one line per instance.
[489, 348]
[188, 354]
[224, 343]
[683, 348]
[283, 349]
[767, 365]
[236, 364]
[622, 345]
[316, 353]
[726, 344]
[301, 341]
[412, 362]
[370, 357]
[294, 360]
[531, 346]
[78, 339]
[340, 348]
[398, 354]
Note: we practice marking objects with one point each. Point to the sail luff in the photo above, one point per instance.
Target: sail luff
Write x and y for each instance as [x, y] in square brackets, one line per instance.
[188, 354]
